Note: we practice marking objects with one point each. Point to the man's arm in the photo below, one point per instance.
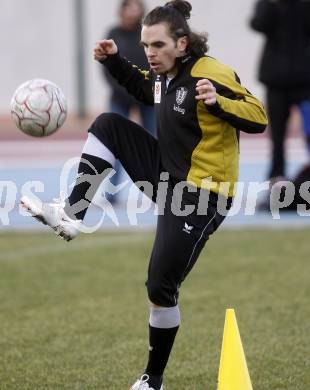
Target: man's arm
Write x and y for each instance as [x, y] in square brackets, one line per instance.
[109, 78]
[244, 111]
[137, 82]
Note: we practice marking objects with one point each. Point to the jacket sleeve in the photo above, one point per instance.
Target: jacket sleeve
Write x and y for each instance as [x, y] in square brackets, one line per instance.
[263, 19]
[112, 34]
[137, 82]
[237, 106]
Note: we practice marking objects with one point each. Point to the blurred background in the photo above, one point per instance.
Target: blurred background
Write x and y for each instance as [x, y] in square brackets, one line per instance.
[54, 40]
[43, 39]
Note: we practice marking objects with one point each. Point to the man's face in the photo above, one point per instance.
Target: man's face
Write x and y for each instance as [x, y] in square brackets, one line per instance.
[160, 48]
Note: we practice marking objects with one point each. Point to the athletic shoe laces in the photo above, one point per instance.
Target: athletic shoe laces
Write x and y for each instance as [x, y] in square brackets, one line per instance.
[142, 384]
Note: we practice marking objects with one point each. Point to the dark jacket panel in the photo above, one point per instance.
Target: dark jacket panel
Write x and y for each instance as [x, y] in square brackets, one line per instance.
[286, 55]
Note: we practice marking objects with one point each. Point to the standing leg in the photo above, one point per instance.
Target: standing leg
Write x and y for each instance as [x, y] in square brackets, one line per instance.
[178, 243]
[278, 109]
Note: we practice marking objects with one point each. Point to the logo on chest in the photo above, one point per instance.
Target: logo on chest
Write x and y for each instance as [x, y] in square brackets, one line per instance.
[157, 92]
[181, 94]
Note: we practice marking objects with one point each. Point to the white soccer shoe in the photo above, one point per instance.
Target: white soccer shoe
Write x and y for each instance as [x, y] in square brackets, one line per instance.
[53, 215]
[142, 384]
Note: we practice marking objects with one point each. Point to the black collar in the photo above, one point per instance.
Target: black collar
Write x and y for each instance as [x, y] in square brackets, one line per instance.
[182, 63]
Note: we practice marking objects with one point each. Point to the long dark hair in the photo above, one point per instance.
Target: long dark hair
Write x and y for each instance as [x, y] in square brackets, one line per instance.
[176, 13]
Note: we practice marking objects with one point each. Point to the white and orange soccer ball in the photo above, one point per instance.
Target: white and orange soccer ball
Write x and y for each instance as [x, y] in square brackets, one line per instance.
[38, 107]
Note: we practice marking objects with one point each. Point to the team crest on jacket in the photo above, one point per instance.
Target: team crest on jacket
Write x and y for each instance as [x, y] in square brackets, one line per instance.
[181, 95]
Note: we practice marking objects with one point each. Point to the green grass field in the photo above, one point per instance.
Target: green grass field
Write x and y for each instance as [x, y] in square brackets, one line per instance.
[74, 315]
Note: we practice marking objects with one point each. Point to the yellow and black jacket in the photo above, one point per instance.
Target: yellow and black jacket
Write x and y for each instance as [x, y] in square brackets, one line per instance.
[198, 143]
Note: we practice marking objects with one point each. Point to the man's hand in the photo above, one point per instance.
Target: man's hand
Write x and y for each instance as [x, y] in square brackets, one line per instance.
[206, 92]
[104, 48]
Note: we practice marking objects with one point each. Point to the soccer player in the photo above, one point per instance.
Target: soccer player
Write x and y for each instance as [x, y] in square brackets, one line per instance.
[200, 108]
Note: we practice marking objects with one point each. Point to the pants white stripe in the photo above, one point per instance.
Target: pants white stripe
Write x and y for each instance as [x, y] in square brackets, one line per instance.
[199, 239]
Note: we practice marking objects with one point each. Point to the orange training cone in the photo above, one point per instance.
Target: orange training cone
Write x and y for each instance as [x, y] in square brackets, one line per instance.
[233, 371]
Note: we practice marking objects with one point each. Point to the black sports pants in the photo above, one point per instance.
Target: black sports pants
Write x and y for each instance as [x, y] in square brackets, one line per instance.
[279, 103]
[179, 239]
